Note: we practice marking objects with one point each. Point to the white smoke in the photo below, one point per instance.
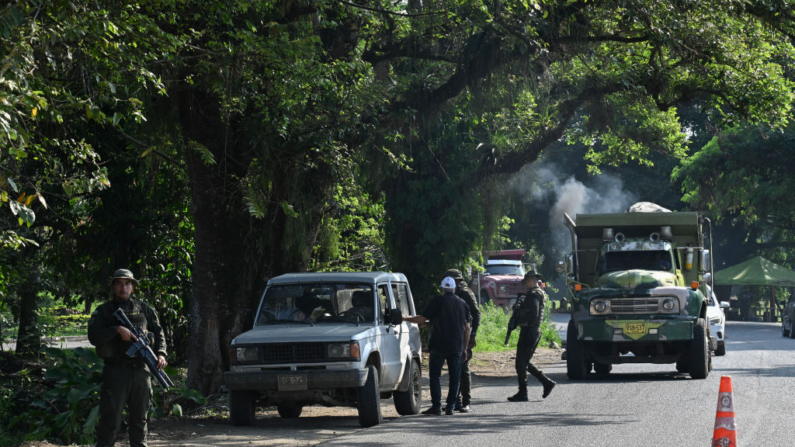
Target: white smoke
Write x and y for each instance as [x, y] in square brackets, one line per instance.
[548, 184]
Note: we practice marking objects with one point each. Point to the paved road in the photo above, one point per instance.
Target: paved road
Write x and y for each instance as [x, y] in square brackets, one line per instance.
[636, 405]
[56, 342]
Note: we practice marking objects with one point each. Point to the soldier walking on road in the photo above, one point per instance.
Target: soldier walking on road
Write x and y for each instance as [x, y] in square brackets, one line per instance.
[530, 314]
[463, 291]
[125, 380]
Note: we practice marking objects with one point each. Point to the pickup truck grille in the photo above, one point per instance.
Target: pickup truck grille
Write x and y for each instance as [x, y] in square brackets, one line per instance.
[635, 305]
[295, 352]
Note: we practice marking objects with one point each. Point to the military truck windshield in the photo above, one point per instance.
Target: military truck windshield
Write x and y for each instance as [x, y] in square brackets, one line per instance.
[505, 270]
[317, 303]
[614, 261]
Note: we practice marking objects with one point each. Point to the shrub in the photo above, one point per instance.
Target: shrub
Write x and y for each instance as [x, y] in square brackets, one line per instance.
[494, 326]
[58, 399]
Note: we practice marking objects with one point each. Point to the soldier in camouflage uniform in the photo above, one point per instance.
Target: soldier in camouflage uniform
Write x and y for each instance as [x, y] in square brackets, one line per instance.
[530, 314]
[465, 293]
[125, 380]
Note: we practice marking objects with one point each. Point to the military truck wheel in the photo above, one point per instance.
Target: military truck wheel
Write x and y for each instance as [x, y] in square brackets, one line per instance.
[602, 368]
[288, 411]
[791, 332]
[721, 349]
[699, 351]
[577, 366]
[408, 402]
[682, 366]
[369, 403]
[784, 331]
[241, 407]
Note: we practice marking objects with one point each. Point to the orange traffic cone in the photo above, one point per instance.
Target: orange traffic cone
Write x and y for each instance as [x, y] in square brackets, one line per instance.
[725, 430]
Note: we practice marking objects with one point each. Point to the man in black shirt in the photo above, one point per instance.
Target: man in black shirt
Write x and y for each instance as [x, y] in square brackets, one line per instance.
[449, 317]
[465, 293]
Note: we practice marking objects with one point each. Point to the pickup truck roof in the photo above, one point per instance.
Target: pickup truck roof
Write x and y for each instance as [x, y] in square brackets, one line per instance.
[334, 277]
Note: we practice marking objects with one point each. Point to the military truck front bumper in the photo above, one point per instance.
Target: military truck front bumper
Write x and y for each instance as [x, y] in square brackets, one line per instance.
[281, 380]
[635, 330]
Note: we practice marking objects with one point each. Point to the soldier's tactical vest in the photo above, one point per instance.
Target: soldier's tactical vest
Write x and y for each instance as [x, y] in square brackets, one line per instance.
[117, 349]
[527, 313]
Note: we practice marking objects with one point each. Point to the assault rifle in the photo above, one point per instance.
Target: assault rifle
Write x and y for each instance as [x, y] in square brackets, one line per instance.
[514, 321]
[141, 348]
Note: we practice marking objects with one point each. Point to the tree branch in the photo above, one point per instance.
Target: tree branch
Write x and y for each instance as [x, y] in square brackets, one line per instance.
[156, 151]
[383, 11]
[514, 161]
[603, 38]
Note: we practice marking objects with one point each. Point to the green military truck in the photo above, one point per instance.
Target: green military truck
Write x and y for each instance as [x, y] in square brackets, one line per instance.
[637, 286]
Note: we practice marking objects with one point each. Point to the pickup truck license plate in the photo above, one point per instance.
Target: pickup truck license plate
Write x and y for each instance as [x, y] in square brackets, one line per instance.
[635, 328]
[292, 383]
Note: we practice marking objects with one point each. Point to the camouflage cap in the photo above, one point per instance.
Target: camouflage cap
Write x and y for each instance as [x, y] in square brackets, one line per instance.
[532, 272]
[453, 273]
[124, 274]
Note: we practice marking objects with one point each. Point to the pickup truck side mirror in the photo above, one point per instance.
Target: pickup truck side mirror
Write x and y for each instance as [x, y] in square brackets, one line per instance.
[395, 317]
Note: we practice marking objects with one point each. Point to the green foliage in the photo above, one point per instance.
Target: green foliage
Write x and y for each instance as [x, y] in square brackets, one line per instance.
[742, 178]
[494, 326]
[351, 235]
[59, 401]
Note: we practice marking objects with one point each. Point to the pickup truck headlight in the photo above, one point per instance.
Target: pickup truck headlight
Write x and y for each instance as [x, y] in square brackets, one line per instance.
[248, 354]
[714, 320]
[343, 350]
[502, 288]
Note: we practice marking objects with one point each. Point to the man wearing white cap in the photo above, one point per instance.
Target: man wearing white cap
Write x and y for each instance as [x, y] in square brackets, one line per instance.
[449, 317]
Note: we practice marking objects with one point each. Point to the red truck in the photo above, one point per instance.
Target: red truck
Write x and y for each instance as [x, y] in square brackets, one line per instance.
[501, 282]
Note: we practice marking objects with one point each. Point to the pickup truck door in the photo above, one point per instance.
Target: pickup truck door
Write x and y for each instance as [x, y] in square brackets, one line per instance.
[389, 341]
[404, 331]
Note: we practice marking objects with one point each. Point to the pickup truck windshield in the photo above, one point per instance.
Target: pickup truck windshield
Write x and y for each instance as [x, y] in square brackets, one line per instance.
[505, 270]
[317, 303]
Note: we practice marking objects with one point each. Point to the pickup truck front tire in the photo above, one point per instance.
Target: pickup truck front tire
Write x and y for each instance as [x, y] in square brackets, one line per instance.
[241, 407]
[369, 402]
[408, 402]
[289, 411]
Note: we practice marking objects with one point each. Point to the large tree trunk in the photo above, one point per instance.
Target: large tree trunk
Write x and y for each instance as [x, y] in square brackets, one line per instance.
[29, 335]
[223, 272]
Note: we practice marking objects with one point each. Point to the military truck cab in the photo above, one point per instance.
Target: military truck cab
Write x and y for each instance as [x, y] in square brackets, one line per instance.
[637, 285]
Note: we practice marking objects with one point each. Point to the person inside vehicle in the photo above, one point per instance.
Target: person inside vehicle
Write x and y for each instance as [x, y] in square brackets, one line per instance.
[361, 306]
[311, 308]
[661, 261]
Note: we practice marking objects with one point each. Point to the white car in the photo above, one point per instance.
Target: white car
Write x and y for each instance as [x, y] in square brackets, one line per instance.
[717, 321]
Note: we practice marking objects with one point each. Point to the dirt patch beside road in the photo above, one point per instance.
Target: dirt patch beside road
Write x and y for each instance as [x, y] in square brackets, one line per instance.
[326, 422]
[316, 424]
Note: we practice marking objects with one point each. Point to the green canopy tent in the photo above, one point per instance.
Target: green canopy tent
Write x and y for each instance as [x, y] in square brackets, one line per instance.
[757, 271]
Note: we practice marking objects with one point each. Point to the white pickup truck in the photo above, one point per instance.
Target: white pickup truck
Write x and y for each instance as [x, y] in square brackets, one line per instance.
[334, 339]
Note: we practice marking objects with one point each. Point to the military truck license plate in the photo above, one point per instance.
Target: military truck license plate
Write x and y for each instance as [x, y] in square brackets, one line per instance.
[635, 328]
[292, 383]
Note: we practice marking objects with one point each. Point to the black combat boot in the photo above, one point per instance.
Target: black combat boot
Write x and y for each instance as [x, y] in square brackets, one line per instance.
[548, 385]
[521, 396]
